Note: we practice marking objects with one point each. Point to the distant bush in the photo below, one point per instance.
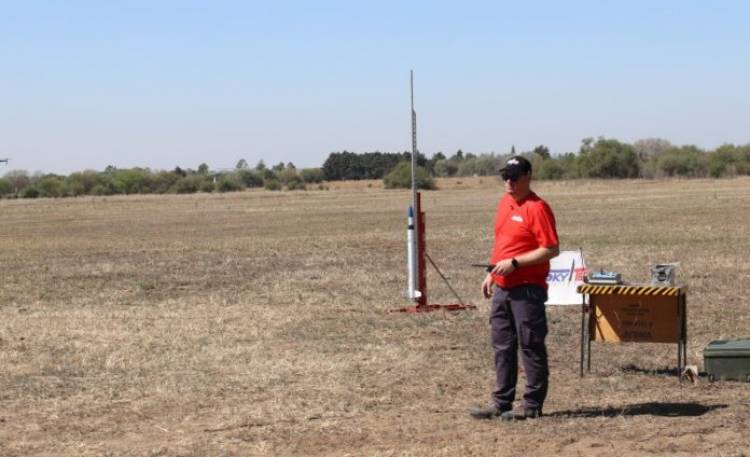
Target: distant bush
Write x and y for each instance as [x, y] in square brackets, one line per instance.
[482, 165]
[207, 186]
[446, 168]
[132, 181]
[250, 178]
[608, 158]
[269, 174]
[296, 184]
[188, 185]
[98, 190]
[549, 169]
[163, 181]
[729, 160]
[81, 182]
[272, 184]
[19, 179]
[51, 186]
[400, 177]
[687, 161]
[6, 188]
[30, 192]
[312, 175]
[228, 183]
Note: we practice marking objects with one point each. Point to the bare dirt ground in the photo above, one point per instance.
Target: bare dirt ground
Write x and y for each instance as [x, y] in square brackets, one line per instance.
[257, 323]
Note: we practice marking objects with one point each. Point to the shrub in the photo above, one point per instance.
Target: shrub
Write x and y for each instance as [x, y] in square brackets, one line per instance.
[81, 183]
[608, 159]
[163, 182]
[30, 192]
[312, 175]
[5, 187]
[268, 174]
[188, 185]
[228, 183]
[249, 178]
[549, 169]
[296, 184]
[272, 184]
[445, 168]
[18, 179]
[288, 175]
[132, 181]
[51, 186]
[400, 177]
[98, 190]
[105, 186]
[685, 161]
[207, 186]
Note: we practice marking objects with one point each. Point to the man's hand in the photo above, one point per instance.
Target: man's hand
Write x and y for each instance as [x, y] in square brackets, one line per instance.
[487, 285]
[504, 267]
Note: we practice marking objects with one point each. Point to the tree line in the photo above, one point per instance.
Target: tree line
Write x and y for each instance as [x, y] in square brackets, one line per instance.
[115, 181]
[596, 158]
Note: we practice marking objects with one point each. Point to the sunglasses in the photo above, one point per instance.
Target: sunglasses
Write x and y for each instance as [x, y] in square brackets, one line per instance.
[510, 177]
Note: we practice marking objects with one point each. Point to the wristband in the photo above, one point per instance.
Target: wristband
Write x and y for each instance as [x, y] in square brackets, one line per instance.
[514, 262]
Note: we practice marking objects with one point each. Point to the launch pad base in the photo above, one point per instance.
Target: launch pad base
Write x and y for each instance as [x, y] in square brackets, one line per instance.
[430, 308]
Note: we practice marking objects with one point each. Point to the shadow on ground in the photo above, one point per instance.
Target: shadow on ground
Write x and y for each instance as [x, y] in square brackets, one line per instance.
[631, 368]
[642, 409]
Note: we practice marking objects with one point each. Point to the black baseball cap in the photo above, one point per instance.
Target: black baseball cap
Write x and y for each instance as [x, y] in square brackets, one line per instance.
[516, 166]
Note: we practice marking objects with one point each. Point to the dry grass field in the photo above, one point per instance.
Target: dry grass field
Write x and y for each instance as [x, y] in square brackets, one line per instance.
[257, 323]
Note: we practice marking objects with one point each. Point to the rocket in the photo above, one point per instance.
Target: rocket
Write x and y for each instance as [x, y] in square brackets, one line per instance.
[411, 258]
[411, 236]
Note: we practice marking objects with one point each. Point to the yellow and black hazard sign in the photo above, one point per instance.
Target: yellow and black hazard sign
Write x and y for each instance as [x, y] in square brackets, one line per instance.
[596, 289]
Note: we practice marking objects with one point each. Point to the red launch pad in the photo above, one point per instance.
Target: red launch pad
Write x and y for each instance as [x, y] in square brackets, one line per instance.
[422, 258]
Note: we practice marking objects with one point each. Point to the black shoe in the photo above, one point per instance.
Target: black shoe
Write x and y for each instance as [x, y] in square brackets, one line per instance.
[528, 413]
[532, 413]
[488, 412]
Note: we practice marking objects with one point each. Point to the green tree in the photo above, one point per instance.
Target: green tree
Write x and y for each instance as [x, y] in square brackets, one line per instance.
[607, 158]
[542, 151]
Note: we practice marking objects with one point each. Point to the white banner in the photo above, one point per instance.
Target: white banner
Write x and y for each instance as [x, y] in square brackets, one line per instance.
[565, 275]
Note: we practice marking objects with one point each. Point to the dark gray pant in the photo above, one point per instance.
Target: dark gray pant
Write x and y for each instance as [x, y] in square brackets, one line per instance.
[518, 319]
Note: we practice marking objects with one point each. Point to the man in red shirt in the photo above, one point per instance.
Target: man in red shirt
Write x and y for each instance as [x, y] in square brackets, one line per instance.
[525, 241]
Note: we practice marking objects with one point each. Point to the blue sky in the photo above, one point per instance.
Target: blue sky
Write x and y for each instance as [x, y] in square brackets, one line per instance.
[161, 84]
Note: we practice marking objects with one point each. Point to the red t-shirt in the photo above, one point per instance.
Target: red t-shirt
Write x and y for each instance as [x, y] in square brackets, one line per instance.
[520, 228]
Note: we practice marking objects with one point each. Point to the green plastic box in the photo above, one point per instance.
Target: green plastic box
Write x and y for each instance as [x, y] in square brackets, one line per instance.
[727, 360]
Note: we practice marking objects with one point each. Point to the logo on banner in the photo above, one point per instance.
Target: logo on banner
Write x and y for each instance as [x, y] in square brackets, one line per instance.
[575, 274]
[566, 273]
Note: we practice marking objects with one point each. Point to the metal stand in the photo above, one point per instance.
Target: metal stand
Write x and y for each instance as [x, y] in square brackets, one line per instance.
[589, 321]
